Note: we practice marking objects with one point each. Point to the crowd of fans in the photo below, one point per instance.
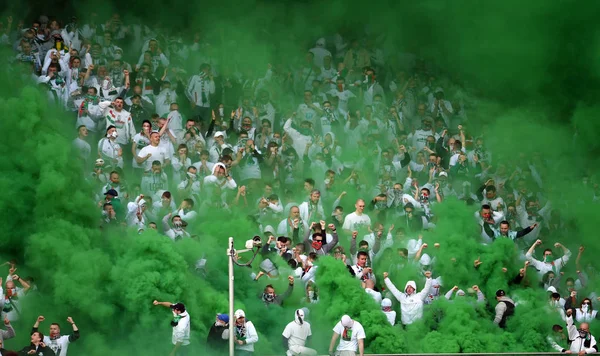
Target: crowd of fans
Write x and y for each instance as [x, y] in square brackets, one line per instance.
[344, 151]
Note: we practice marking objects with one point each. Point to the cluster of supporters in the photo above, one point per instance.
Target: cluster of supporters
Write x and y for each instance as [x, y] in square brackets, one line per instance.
[352, 122]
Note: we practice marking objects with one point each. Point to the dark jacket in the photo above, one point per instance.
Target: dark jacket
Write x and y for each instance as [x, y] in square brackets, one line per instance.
[215, 343]
[45, 351]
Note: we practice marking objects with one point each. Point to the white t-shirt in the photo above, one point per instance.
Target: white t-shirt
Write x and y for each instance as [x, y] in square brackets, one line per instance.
[353, 335]
[158, 154]
[296, 333]
[354, 222]
[140, 142]
[60, 346]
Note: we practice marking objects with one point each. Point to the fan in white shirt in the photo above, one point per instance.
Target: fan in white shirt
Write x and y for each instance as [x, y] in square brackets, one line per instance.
[297, 334]
[352, 336]
[153, 150]
[357, 220]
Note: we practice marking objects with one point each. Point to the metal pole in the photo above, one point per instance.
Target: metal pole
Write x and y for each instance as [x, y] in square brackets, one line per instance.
[231, 254]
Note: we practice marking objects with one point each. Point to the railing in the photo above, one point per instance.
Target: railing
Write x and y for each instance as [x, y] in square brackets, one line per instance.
[473, 354]
[477, 354]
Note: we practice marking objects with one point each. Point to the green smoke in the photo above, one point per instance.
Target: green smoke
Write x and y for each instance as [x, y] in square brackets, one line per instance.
[529, 69]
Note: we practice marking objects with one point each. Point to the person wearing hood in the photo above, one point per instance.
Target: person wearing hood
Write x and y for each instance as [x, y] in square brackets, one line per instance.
[135, 212]
[296, 336]
[181, 324]
[220, 177]
[386, 308]
[436, 283]
[411, 302]
[548, 264]
[319, 52]
[217, 336]
[245, 334]
[352, 338]
[504, 309]
[581, 341]
[57, 342]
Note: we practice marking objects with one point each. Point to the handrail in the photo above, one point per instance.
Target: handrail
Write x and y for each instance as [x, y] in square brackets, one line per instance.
[471, 354]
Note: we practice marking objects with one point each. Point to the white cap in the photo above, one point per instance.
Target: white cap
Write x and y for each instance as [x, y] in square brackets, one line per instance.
[239, 314]
[219, 133]
[460, 292]
[99, 161]
[347, 321]
[270, 229]
[321, 42]
[438, 90]
[386, 303]
[142, 202]
[552, 289]
[443, 174]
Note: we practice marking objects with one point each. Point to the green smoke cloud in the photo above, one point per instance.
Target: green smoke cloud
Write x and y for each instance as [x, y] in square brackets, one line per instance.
[107, 280]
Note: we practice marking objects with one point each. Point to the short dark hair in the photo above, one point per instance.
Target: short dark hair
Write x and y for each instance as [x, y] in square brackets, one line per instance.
[362, 253]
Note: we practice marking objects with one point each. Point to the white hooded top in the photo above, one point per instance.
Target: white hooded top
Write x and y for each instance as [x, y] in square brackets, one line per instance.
[411, 306]
[213, 180]
[297, 331]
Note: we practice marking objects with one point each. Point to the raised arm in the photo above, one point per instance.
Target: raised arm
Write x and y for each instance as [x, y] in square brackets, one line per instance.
[392, 288]
[164, 304]
[335, 239]
[75, 335]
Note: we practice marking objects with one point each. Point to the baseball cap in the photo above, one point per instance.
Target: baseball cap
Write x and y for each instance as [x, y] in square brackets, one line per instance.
[500, 293]
[443, 174]
[219, 133]
[112, 192]
[386, 302]
[223, 317]
[239, 314]
[178, 306]
[347, 322]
